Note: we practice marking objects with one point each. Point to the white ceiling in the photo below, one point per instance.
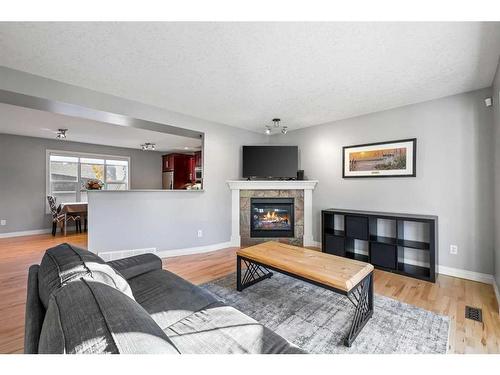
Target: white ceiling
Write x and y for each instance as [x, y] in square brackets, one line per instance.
[244, 74]
[34, 123]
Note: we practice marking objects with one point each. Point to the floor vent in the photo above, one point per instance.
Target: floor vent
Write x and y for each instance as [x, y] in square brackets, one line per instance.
[473, 313]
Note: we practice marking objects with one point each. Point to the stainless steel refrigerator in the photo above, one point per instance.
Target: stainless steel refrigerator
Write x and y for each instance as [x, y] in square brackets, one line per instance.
[167, 180]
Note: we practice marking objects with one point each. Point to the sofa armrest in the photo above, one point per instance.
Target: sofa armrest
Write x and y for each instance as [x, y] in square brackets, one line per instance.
[35, 313]
[136, 265]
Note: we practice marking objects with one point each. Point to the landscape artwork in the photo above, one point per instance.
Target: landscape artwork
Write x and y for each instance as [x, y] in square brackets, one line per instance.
[382, 159]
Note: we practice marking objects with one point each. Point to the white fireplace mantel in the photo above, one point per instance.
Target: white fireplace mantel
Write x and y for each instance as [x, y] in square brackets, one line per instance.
[237, 185]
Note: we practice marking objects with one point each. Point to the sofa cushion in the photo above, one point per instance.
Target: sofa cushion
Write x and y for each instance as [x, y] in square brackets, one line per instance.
[220, 329]
[168, 297]
[66, 263]
[87, 317]
[136, 265]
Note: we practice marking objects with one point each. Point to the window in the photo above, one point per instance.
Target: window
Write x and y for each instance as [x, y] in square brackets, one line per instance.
[68, 173]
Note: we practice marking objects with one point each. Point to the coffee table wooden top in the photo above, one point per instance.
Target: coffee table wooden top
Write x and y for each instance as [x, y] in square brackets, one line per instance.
[337, 272]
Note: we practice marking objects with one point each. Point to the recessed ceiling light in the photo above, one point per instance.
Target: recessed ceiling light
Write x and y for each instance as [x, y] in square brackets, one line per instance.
[148, 146]
[61, 133]
[186, 148]
[268, 130]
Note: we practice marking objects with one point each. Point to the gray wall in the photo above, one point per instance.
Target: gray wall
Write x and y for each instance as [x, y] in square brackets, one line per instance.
[496, 111]
[454, 171]
[23, 172]
[209, 210]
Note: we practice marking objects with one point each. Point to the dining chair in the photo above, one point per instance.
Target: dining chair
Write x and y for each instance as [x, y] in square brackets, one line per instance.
[59, 217]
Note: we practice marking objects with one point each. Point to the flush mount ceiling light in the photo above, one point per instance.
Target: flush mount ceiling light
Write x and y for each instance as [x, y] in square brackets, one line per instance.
[276, 125]
[148, 146]
[61, 133]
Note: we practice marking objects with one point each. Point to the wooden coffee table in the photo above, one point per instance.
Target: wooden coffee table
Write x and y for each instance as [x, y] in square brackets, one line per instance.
[349, 277]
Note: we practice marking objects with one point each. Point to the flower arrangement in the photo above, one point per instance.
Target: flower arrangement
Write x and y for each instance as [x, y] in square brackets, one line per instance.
[94, 184]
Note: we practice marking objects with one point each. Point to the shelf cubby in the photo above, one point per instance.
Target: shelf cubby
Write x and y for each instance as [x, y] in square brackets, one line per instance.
[414, 244]
[414, 271]
[385, 240]
[357, 256]
[335, 232]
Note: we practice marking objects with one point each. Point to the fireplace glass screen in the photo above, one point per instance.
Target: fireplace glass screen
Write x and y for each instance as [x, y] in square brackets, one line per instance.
[272, 217]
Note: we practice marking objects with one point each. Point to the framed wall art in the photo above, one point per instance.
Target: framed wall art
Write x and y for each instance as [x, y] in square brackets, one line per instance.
[382, 159]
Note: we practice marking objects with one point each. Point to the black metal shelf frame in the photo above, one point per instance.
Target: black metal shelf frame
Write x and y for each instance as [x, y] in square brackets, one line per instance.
[384, 252]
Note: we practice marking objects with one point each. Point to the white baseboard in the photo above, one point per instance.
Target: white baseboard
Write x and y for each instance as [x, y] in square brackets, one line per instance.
[25, 233]
[464, 274]
[119, 254]
[193, 250]
[497, 294]
[235, 241]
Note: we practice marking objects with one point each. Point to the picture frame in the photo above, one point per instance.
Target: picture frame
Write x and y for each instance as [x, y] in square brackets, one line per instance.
[381, 159]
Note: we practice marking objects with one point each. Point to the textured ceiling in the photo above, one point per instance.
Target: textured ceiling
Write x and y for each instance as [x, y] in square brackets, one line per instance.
[33, 123]
[244, 74]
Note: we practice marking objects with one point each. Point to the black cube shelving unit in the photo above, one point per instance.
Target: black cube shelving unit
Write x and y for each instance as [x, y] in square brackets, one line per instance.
[385, 240]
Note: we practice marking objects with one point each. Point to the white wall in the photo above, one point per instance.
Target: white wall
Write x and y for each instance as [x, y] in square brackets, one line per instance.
[209, 210]
[454, 171]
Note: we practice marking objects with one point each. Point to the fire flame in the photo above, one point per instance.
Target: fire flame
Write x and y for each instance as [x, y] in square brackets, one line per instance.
[273, 217]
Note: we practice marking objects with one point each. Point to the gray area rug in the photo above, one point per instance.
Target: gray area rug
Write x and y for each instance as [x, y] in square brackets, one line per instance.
[317, 319]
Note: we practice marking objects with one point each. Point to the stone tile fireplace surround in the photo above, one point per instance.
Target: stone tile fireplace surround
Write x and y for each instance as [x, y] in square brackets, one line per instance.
[243, 191]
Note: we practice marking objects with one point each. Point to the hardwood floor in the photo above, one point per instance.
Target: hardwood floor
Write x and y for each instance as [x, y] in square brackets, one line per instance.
[448, 296]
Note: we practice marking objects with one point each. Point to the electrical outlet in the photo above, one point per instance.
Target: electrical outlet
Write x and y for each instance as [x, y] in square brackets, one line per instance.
[200, 233]
[3, 222]
[454, 249]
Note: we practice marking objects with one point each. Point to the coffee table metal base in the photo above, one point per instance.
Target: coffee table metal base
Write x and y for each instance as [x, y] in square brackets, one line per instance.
[361, 295]
[254, 273]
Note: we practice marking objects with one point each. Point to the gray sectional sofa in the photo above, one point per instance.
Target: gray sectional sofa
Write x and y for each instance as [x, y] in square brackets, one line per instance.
[77, 303]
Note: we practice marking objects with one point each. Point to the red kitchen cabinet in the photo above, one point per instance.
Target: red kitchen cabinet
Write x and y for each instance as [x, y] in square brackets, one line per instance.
[183, 167]
[168, 162]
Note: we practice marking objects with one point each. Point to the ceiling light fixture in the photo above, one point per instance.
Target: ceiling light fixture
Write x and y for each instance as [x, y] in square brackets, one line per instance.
[277, 124]
[148, 146]
[61, 133]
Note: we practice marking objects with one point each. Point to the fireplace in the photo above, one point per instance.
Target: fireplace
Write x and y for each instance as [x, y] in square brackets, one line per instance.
[272, 217]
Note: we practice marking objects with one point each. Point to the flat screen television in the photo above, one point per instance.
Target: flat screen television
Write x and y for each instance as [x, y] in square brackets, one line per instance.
[270, 162]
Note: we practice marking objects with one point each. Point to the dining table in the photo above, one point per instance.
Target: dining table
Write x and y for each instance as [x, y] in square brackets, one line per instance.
[74, 208]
